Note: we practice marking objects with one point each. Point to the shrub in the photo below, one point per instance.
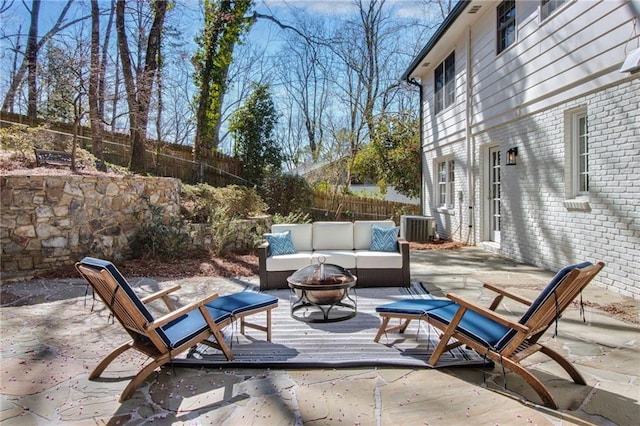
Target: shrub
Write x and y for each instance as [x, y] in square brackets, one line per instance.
[286, 194]
[292, 218]
[160, 237]
[204, 203]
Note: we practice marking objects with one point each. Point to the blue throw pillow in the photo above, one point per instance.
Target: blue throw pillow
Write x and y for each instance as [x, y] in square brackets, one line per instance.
[280, 243]
[384, 239]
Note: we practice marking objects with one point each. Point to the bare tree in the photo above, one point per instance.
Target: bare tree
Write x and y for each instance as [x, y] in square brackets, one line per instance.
[304, 72]
[30, 58]
[139, 87]
[5, 5]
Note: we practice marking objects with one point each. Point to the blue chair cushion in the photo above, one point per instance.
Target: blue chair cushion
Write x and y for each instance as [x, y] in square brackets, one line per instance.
[190, 325]
[384, 239]
[99, 264]
[241, 302]
[412, 306]
[474, 325]
[542, 297]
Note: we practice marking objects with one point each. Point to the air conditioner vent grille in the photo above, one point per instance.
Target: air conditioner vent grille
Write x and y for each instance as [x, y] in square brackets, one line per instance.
[418, 229]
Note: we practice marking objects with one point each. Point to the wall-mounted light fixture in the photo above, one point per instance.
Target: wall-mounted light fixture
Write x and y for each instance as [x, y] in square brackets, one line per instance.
[512, 156]
[632, 62]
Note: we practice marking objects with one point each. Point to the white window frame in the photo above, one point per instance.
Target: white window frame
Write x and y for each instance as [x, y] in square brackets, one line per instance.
[500, 27]
[577, 153]
[444, 179]
[445, 96]
[549, 7]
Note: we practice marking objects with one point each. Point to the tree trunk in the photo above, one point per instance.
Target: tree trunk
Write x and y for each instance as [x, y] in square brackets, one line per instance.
[139, 95]
[94, 79]
[31, 57]
[224, 23]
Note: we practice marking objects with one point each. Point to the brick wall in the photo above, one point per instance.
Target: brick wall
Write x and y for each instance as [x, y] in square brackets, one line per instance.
[538, 228]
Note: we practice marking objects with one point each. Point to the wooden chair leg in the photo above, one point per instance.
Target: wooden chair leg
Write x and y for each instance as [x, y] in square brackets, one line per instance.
[533, 381]
[564, 363]
[141, 377]
[108, 359]
[382, 329]
[269, 325]
[244, 324]
[405, 324]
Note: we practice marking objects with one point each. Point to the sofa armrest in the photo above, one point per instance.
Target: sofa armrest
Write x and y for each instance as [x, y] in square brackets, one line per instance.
[403, 246]
[263, 253]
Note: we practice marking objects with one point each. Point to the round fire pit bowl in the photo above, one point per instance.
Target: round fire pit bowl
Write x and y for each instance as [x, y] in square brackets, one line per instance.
[322, 293]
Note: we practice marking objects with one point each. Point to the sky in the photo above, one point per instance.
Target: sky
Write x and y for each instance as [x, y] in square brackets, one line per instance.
[264, 34]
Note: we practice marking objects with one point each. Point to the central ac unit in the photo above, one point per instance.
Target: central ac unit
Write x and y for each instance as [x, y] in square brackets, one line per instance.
[419, 229]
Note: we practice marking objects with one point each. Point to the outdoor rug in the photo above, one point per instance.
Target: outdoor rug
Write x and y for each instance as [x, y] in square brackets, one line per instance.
[349, 343]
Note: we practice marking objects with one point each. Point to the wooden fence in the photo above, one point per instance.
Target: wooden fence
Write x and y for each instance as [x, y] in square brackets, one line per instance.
[329, 206]
[164, 159]
[218, 170]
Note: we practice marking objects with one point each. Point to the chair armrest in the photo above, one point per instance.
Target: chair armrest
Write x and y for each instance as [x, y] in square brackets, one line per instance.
[507, 322]
[165, 319]
[508, 294]
[160, 294]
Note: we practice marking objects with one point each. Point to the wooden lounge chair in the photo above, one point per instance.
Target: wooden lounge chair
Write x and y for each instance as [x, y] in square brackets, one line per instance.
[181, 329]
[500, 339]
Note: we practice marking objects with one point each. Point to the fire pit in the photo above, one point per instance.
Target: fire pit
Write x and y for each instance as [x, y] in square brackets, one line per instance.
[322, 293]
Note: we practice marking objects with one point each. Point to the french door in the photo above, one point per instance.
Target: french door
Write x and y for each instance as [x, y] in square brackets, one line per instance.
[494, 194]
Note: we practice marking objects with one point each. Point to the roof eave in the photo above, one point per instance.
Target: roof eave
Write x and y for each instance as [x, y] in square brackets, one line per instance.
[442, 29]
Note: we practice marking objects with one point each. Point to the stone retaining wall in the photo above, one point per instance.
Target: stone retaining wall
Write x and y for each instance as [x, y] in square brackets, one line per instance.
[50, 221]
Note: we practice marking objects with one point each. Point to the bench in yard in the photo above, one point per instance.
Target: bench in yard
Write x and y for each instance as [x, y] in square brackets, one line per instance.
[54, 158]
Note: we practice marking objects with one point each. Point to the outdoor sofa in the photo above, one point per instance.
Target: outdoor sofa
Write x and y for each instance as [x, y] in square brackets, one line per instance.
[371, 250]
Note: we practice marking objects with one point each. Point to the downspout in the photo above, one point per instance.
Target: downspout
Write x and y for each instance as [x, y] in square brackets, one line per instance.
[470, 148]
[413, 82]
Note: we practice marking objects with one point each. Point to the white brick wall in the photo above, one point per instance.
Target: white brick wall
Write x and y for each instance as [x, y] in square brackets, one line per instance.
[536, 226]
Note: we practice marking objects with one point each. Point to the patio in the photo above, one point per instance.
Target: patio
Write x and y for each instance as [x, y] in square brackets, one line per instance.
[45, 365]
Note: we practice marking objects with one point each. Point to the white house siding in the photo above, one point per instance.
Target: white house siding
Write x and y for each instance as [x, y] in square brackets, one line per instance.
[519, 99]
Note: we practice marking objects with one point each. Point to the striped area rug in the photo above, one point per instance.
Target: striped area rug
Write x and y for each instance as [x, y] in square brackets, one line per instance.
[349, 343]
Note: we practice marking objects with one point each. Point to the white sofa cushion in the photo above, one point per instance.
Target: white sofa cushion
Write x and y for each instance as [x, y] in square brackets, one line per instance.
[344, 258]
[333, 236]
[300, 234]
[362, 232]
[289, 262]
[366, 259]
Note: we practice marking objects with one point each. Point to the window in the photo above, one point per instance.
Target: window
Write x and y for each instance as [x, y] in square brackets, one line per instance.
[547, 7]
[577, 159]
[582, 153]
[506, 24]
[446, 184]
[445, 88]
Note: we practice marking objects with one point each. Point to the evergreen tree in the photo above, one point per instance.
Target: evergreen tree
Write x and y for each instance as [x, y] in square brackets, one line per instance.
[252, 128]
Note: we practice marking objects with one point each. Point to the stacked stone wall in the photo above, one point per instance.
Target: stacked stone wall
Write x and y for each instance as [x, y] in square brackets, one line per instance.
[51, 221]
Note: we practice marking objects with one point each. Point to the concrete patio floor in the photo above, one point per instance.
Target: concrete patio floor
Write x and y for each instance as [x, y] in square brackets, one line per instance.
[51, 340]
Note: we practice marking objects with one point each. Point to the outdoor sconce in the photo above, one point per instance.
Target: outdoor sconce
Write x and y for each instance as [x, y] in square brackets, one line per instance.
[512, 155]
